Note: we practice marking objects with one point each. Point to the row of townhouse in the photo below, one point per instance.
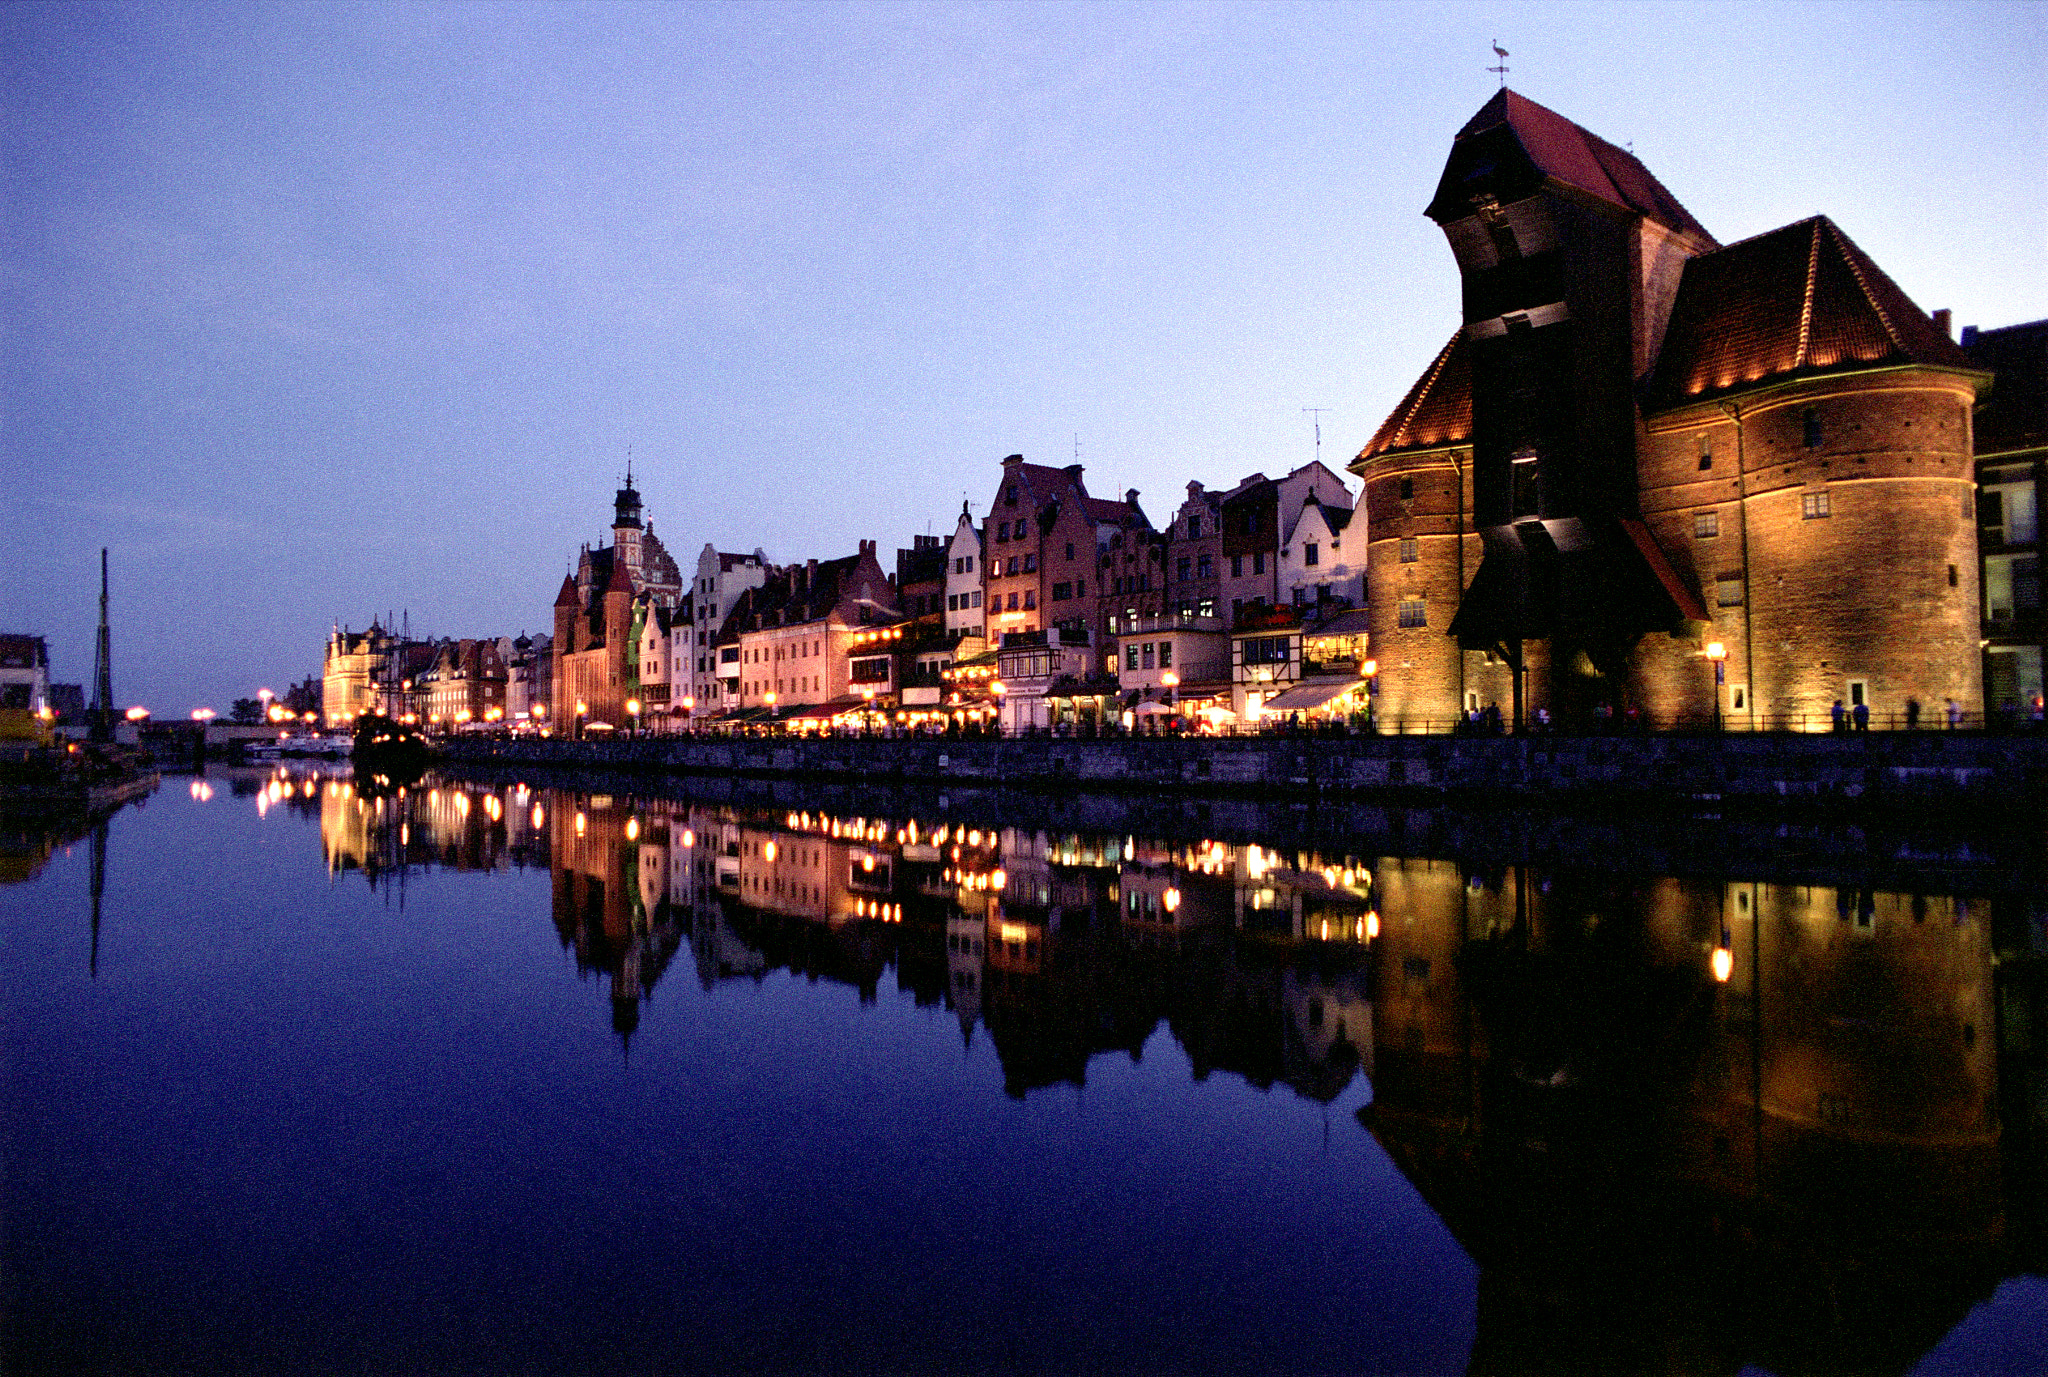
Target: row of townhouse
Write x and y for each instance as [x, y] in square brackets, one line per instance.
[443, 685]
[846, 641]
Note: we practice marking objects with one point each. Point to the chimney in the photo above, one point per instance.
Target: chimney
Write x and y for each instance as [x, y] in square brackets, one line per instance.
[1941, 323]
[1194, 491]
[1073, 471]
[1969, 336]
[1131, 496]
[1011, 460]
[810, 571]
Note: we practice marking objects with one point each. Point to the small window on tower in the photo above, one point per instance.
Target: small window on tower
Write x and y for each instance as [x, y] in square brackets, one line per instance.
[1813, 505]
[1728, 590]
[1706, 525]
[1706, 452]
[1809, 421]
[1410, 550]
[1407, 489]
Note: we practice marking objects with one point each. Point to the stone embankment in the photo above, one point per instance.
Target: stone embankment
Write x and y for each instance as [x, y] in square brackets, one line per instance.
[1914, 770]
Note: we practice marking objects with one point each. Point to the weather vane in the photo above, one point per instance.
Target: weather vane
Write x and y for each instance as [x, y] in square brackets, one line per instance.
[1502, 70]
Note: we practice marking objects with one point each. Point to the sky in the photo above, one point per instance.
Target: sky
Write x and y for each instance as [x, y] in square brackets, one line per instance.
[313, 312]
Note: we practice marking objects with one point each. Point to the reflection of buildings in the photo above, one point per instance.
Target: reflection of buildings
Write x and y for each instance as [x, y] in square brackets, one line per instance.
[1798, 1168]
[609, 862]
[384, 833]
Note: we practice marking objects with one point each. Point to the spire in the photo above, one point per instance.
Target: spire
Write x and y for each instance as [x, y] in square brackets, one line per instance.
[567, 597]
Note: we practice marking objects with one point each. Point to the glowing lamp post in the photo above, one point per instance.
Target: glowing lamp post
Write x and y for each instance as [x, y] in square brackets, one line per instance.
[773, 716]
[1718, 654]
[633, 716]
[690, 712]
[1172, 681]
[582, 711]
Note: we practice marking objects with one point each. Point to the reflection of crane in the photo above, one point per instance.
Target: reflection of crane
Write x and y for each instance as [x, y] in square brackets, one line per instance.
[99, 886]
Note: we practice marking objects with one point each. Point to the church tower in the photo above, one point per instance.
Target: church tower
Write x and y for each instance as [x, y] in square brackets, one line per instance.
[626, 525]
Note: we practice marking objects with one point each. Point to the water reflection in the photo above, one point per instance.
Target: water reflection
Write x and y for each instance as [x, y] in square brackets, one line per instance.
[1681, 1123]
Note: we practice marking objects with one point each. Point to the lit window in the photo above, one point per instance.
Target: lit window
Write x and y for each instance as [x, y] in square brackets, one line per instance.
[1813, 505]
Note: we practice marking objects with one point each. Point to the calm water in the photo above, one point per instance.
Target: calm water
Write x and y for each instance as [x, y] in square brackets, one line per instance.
[497, 1079]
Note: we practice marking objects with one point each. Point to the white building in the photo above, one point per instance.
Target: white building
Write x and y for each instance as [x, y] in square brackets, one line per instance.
[964, 616]
[721, 579]
[1322, 554]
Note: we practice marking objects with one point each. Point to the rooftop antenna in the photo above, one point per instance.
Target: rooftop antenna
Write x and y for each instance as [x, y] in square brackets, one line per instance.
[1317, 412]
[1501, 54]
[1077, 446]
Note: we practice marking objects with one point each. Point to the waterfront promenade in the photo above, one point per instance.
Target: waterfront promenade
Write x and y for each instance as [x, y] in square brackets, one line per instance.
[1931, 770]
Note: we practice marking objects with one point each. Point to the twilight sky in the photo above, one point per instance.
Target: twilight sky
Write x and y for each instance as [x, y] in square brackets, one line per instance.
[312, 311]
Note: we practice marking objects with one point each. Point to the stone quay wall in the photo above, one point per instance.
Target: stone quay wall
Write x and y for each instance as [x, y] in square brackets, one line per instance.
[1915, 770]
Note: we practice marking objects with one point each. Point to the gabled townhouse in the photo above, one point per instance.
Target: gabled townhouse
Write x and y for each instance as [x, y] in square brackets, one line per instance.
[964, 613]
[1194, 555]
[1252, 535]
[792, 635]
[1316, 567]
[720, 580]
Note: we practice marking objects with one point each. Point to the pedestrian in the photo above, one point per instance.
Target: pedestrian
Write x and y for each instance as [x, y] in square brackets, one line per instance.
[1912, 714]
[1861, 715]
[1840, 718]
[1954, 710]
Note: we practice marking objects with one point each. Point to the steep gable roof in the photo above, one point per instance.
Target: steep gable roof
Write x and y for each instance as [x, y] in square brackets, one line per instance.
[1436, 412]
[567, 597]
[1802, 301]
[1551, 147]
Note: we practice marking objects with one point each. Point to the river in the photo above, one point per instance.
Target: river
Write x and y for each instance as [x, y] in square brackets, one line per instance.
[306, 1073]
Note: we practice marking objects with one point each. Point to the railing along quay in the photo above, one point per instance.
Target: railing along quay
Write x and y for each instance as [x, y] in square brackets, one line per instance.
[1927, 769]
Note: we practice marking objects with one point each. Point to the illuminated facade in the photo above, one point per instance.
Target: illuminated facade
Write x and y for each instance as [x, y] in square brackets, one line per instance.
[1642, 444]
[595, 652]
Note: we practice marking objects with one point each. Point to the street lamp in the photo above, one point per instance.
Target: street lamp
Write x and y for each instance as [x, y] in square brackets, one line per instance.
[1718, 653]
[633, 713]
[1171, 679]
[582, 711]
[1369, 670]
[770, 697]
[690, 710]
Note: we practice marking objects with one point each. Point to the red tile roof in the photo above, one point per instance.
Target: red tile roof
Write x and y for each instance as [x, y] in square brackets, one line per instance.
[1801, 301]
[1436, 412]
[1559, 149]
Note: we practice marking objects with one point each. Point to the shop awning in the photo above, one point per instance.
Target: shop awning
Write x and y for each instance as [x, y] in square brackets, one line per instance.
[1303, 697]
